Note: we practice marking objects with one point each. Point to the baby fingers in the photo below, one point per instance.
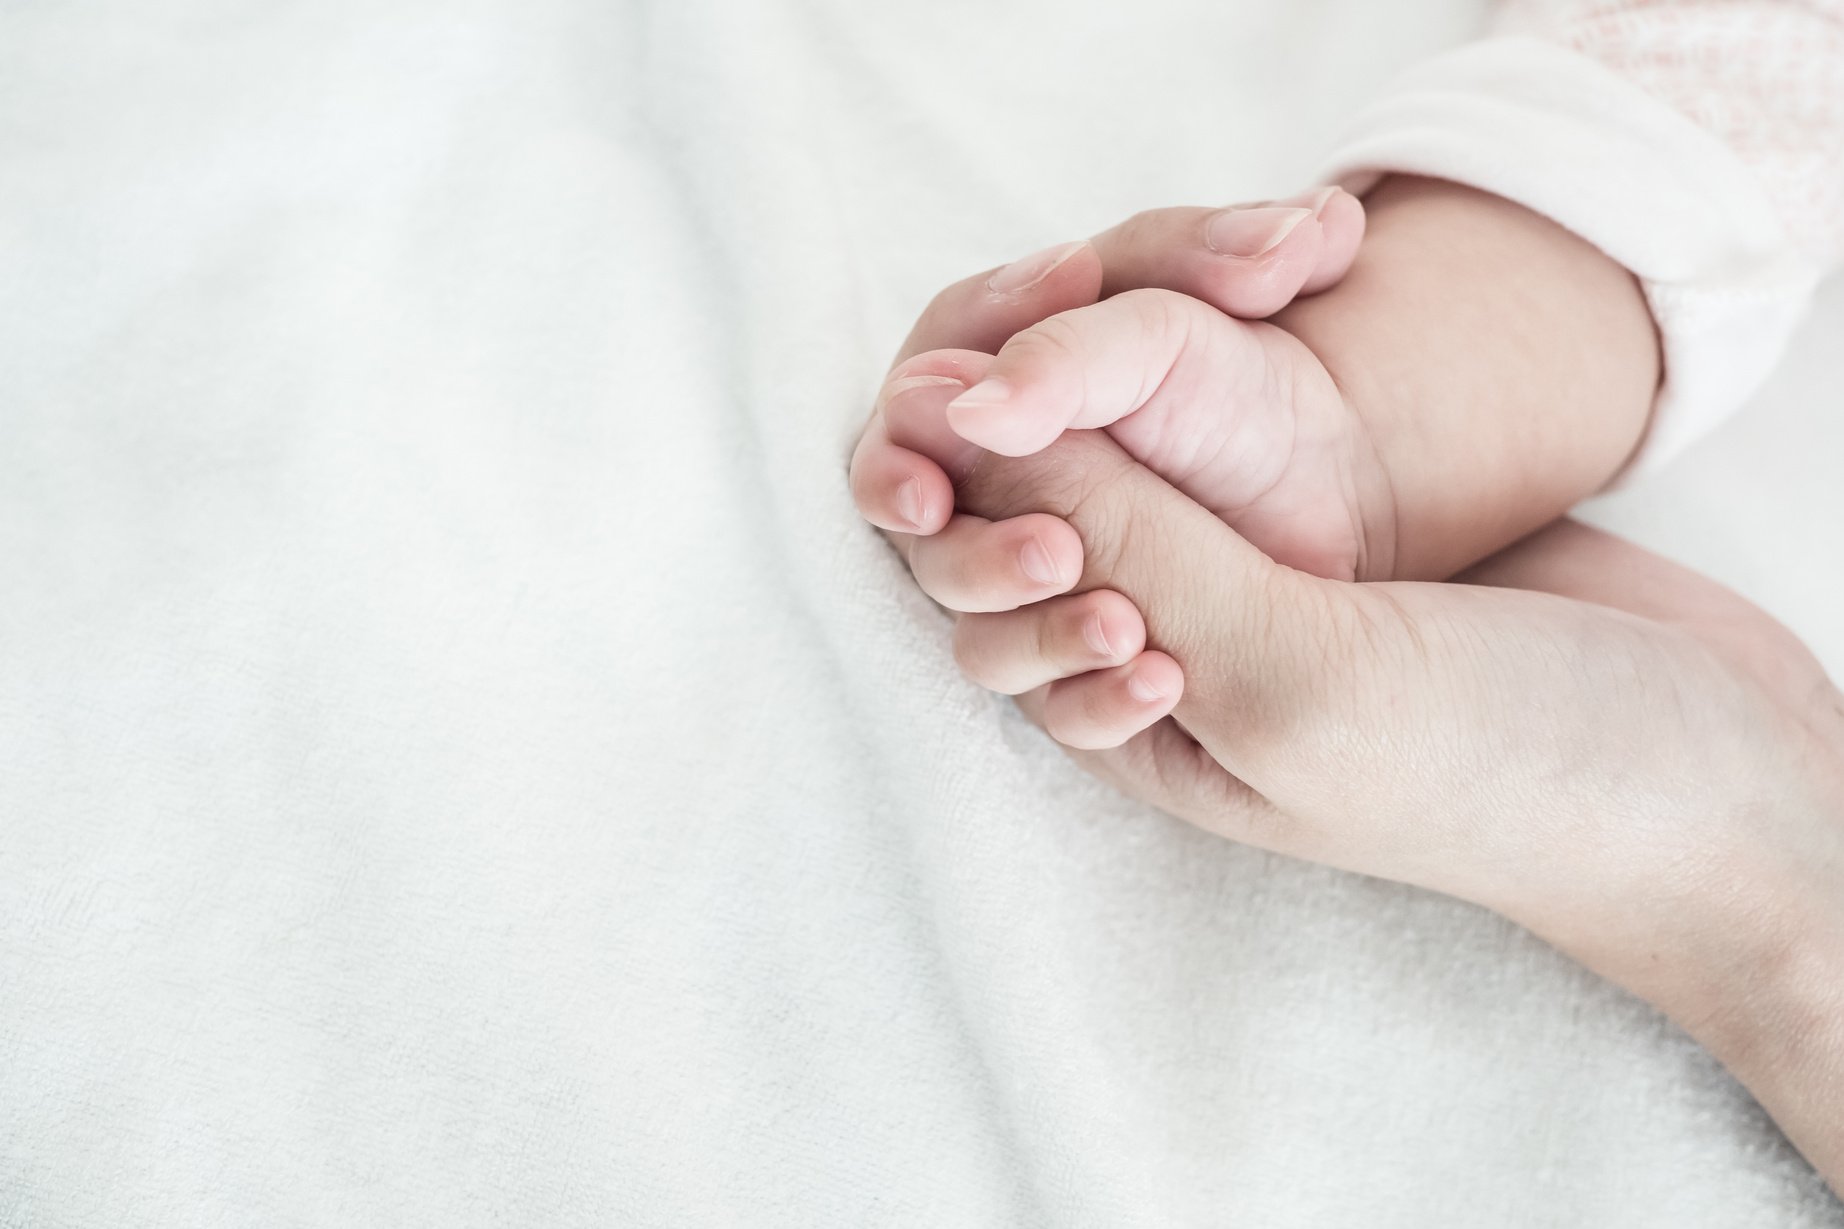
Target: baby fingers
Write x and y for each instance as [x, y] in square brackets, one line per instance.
[907, 461]
[1105, 708]
[897, 489]
[1077, 663]
[976, 565]
[1016, 650]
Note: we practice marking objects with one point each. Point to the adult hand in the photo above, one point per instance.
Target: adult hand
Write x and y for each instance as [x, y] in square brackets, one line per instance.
[1247, 261]
[1624, 757]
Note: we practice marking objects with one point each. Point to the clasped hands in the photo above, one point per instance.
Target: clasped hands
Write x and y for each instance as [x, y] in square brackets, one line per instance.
[1148, 471]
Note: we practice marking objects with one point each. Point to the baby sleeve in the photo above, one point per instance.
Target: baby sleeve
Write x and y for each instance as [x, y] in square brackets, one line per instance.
[1700, 143]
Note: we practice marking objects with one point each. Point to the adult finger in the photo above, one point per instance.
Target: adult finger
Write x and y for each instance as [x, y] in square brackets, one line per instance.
[1167, 768]
[1269, 654]
[1015, 651]
[904, 465]
[1246, 260]
[980, 312]
[1105, 708]
[974, 565]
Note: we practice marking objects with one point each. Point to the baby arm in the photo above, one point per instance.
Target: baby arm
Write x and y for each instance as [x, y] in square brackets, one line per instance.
[1502, 368]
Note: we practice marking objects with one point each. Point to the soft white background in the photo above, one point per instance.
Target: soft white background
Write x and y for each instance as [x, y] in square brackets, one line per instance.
[462, 763]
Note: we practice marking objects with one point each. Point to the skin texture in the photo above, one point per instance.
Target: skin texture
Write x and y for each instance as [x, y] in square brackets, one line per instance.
[1622, 756]
[1501, 367]
[1632, 762]
[902, 491]
[1429, 408]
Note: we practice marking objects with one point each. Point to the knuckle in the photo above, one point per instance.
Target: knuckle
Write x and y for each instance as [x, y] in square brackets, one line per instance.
[1060, 480]
[1077, 481]
[1122, 237]
[1108, 521]
[1310, 646]
[1138, 224]
[1148, 228]
[951, 299]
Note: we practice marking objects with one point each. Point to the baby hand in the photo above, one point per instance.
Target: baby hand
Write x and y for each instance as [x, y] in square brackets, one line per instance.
[910, 459]
[1202, 420]
[1478, 372]
[1238, 415]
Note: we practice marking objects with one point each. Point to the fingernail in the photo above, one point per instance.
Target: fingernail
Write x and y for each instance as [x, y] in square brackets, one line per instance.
[1097, 635]
[1142, 690]
[1249, 233]
[988, 394]
[909, 502]
[1035, 561]
[1315, 200]
[1027, 272]
[897, 388]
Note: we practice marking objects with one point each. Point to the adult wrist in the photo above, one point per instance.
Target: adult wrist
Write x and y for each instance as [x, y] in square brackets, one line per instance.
[1755, 972]
[1778, 1025]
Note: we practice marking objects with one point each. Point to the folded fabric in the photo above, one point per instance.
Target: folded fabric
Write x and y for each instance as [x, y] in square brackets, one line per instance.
[1724, 201]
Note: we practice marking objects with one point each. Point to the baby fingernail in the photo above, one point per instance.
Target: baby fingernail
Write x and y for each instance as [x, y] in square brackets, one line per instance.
[1143, 691]
[1027, 272]
[1097, 636]
[909, 502]
[1251, 232]
[987, 394]
[1036, 562]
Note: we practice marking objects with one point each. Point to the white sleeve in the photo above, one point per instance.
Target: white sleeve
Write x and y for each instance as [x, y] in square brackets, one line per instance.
[1721, 189]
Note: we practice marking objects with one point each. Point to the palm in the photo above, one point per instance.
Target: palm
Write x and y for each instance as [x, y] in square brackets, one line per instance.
[1566, 669]
[1250, 425]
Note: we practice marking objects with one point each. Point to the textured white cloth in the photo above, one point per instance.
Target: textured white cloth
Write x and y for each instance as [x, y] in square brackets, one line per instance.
[1699, 144]
[463, 763]
[1765, 77]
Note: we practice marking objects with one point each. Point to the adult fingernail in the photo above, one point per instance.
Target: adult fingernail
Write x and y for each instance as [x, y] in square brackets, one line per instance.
[1027, 272]
[1142, 690]
[1036, 562]
[1251, 232]
[1097, 635]
[988, 394]
[909, 502]
[896, 388]
[1314, 200]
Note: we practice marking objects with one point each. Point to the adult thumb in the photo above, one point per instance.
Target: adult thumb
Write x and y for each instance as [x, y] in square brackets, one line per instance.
[1268, 652]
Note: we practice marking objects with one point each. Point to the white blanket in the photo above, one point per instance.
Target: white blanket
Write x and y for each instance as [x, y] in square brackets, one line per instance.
[463, 763]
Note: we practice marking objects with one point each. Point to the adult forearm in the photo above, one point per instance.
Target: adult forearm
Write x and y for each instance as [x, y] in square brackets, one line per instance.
[1754, 966]
[1771, 1005]
[1728, 911]
[1787, 1047]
